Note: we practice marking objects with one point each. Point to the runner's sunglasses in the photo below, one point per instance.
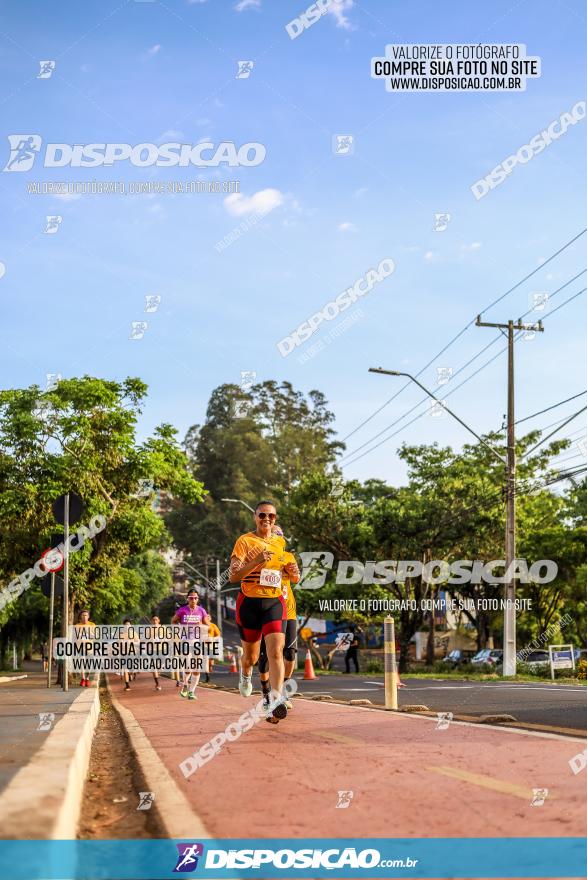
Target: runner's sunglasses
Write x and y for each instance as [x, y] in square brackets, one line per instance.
[264, 515]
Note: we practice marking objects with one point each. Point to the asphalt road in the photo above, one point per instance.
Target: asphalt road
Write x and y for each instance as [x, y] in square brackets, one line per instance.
[560, 708]
[551, 707]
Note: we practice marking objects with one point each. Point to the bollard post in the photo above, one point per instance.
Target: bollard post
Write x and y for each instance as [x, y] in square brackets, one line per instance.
[51, 614]
[390, 669]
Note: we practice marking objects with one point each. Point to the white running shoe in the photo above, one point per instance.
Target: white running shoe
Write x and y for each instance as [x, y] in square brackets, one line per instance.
[245, 685]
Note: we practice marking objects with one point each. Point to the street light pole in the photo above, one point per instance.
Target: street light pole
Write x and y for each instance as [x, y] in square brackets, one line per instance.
[239, 501]
[509, 631]
[443, 405]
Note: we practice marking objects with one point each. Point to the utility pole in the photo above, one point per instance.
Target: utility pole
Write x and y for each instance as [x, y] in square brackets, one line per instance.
[509, 614]
[65, 621]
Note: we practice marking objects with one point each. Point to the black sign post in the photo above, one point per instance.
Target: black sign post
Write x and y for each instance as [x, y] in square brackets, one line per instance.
[51, 586]
[66, 509]
[51, 609]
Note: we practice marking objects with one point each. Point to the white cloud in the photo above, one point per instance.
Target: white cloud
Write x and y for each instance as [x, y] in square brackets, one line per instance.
[68, 197]
[172, 135]
[260, 202]
[154, 50]
[243, 5]
[360, 192]
[339, 10]
[429, 256]
[347, 227]
[469, 248]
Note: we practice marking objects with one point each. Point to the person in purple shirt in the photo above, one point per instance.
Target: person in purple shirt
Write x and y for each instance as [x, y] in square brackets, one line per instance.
[191, 615]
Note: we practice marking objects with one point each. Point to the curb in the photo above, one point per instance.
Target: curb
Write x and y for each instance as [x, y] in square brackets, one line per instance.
[5, 678]
[49, 789]
[173, 808]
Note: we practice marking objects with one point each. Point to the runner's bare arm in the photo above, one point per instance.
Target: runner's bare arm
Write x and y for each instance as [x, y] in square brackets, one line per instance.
[292, 571]
[240, 569]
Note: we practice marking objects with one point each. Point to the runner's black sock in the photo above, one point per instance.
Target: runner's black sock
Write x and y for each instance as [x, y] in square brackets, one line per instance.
[266, 688]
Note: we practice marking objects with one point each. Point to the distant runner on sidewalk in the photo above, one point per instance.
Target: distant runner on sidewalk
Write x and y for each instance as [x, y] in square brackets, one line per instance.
[190, 616]
[155, 621]
[257, 562]
[84, 620]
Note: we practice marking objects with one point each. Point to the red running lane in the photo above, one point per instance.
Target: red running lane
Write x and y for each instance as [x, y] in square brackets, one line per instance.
[283, 780]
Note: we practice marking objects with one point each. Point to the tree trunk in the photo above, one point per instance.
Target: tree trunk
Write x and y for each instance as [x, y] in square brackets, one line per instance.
[405, 636]
[431, 635]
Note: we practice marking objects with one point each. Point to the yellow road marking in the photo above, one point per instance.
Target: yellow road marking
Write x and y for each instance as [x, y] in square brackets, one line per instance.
[487, 782]
[339, 737]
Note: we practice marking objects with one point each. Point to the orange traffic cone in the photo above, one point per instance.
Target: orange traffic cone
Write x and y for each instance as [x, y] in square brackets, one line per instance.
[233, 666]
[309, 673]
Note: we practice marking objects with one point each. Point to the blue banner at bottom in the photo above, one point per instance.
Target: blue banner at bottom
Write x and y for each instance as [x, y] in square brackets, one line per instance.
[304, 858]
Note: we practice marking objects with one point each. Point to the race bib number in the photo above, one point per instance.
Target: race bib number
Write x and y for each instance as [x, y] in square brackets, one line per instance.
[270, 577]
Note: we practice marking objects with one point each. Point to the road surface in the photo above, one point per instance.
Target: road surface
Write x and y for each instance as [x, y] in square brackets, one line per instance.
[408, 778]
[550, 707]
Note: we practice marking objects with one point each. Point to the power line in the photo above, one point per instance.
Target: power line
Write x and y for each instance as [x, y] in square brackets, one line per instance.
[566, 302]
[556, 430]
[352, 454]
[533, 272]
[461, 332]
[420, 415]
[548, 408]
[416, 405]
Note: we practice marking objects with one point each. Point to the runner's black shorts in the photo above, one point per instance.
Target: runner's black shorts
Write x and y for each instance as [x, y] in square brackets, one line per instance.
[257, 617]
[290, 647]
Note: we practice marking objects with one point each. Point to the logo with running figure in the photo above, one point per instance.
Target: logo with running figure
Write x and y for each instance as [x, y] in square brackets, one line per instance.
[188, 855]
[315, 567]
[23, 151]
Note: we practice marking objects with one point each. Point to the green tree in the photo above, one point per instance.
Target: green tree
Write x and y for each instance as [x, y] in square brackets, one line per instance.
[81, 437]
[263, 453]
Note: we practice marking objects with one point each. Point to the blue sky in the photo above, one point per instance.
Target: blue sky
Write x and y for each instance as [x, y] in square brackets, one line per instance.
[155, 72]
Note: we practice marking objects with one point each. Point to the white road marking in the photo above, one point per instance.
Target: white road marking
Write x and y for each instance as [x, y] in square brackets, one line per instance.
[450, 687]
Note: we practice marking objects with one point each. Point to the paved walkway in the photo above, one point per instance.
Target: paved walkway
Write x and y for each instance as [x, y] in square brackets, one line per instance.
[408, 778]
[20, 704]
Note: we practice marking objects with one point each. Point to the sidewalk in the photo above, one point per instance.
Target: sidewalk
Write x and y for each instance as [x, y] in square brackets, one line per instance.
[407, 778]
[39, 768]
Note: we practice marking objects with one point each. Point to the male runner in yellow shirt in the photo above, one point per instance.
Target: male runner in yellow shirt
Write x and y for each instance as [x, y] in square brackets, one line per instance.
[257, 562]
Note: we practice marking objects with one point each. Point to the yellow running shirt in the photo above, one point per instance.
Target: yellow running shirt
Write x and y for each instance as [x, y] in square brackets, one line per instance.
[288, 593]
[264, 582]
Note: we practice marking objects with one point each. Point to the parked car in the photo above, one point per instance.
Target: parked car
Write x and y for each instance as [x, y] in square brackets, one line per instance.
[541, 658]
[458, 656]
[490, 656]
[536, 658]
